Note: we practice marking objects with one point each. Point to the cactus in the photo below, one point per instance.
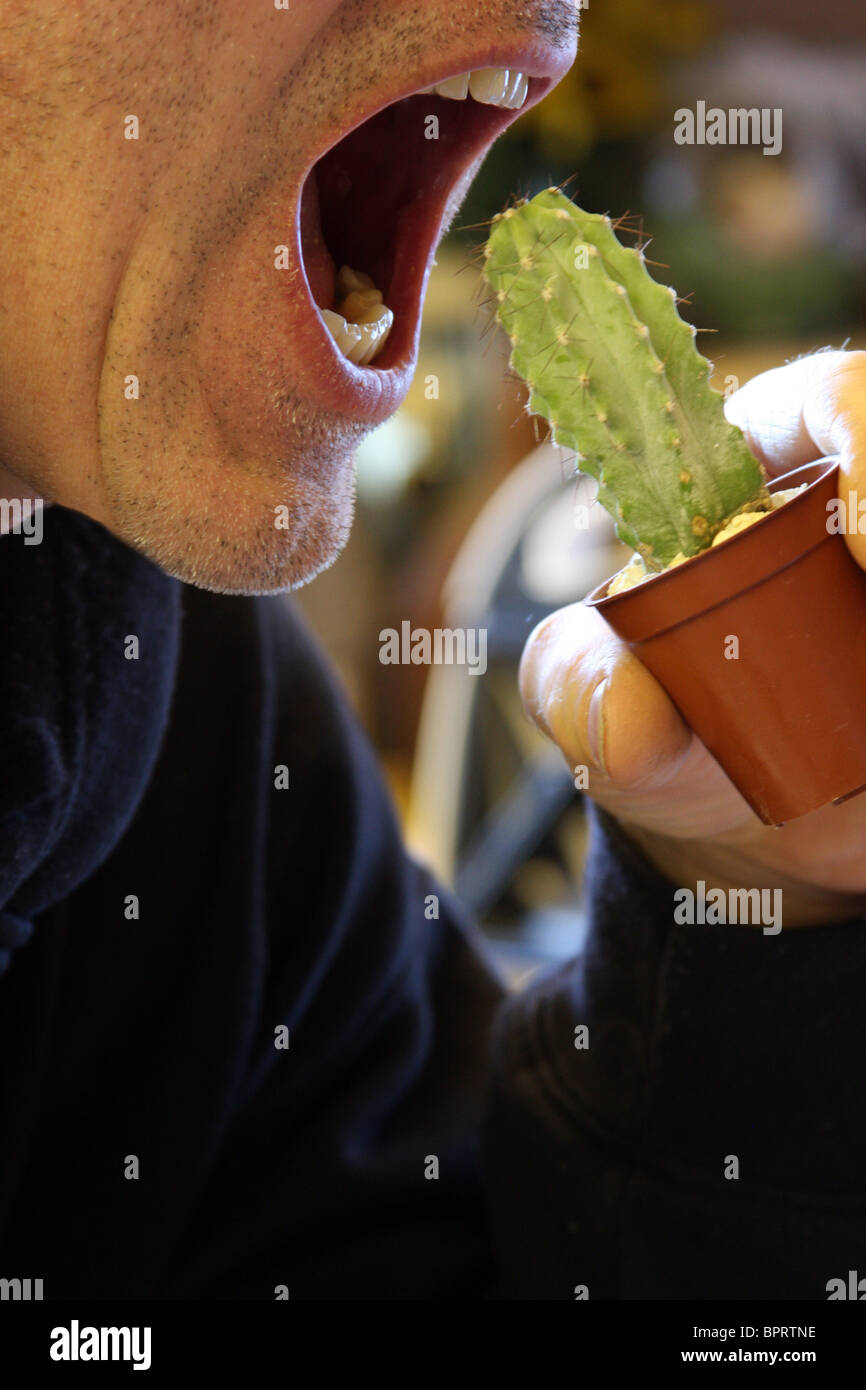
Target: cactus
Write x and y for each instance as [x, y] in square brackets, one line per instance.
[614, 369]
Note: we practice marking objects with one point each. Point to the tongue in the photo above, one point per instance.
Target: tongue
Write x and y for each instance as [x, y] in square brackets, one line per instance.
[318, 262]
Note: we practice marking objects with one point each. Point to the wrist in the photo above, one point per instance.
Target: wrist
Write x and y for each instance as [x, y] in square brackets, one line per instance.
[688, 863]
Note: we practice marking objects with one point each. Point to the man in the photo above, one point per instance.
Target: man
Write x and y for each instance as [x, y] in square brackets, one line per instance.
[240, 1057]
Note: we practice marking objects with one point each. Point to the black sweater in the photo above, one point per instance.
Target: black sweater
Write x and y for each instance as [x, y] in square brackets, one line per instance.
[169, 911]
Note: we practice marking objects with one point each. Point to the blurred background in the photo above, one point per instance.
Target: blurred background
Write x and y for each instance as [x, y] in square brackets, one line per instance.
[467, 518]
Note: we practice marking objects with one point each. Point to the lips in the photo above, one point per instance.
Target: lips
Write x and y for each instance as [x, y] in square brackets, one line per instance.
[376, 201]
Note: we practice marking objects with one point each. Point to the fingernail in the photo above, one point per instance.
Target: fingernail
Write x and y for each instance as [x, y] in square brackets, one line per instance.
[595, 725]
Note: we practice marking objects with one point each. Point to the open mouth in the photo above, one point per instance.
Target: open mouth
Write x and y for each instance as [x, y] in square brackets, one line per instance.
[373, 206]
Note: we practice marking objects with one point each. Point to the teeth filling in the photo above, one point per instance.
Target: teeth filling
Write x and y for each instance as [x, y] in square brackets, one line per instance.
[360, 322]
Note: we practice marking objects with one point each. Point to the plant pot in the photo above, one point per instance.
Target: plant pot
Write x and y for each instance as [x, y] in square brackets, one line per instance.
[786, 715]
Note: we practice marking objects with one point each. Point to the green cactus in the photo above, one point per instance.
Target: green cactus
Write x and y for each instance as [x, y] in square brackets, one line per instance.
[614, 369]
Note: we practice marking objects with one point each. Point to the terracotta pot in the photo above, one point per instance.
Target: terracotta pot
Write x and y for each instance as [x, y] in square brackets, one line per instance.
[786, 718]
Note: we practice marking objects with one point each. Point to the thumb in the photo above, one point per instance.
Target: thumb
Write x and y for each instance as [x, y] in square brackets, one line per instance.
[809, 408]
[605, 711]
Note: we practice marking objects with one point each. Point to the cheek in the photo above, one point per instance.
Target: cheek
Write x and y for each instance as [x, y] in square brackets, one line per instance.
[288, 25]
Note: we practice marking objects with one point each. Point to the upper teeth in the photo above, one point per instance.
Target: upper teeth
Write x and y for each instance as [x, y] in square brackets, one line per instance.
[361, 322]
[492, 86]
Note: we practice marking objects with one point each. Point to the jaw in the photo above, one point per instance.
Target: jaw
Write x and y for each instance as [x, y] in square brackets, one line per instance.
[249, 412]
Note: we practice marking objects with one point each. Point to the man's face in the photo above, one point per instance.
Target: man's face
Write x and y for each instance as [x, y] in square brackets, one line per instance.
[163, 365]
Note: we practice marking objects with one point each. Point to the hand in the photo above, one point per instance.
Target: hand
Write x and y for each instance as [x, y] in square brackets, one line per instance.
[588, 693]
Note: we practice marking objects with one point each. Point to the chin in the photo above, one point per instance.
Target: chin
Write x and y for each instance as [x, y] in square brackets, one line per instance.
[261, 533]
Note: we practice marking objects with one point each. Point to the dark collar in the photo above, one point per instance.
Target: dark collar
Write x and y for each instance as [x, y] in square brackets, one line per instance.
[81, 715]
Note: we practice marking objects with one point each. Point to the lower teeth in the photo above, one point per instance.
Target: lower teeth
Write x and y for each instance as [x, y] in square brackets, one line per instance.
[361, 322]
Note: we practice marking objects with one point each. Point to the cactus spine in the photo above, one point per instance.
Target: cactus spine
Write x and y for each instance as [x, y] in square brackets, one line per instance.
[614, 369]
